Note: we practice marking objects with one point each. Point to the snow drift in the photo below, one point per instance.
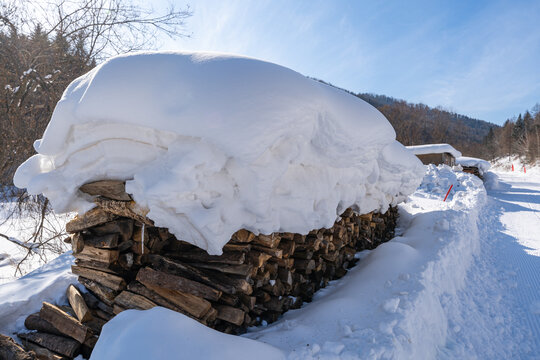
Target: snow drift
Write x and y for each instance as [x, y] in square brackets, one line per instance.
[211, 144]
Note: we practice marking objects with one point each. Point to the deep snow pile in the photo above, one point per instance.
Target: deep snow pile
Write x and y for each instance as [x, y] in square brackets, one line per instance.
[211, 144]
[434, 149]
[482, 165]
[24, 296]
[391, 305]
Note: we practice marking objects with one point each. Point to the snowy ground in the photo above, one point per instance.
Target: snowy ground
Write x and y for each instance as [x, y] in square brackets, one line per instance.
[461, 281]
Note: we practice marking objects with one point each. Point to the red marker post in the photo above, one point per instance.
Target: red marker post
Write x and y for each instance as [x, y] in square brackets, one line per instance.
[451, 186]
[524, 170]
[512, 167]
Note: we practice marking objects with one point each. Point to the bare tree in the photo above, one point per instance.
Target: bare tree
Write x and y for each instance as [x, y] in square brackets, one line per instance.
[44, 45]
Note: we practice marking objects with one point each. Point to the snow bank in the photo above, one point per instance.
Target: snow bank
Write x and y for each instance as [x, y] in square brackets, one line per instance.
[211, 144]
[160, 333]
[482, 165]
[434, 149]
[24, 296]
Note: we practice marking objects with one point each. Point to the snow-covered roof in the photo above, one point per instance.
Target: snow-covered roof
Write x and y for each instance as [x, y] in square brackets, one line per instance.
[482, 165]
[214, 143]
[434, 149]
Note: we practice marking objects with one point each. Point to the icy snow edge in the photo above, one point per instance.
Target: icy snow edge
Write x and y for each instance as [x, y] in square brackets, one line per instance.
[434, 149]
[214, 143]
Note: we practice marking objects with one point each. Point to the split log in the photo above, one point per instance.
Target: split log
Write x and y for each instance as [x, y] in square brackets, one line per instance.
[212, 279]
[129, 209]
[112, 189]
[35, 322]
[59, 344]
[93, 217]
[243, 269]
[111, 281]
[270, 241]
[10, 350]
[95, 254]
[102, 292]
[124, 227]
[42, 353]
[194, 305]
[230, 314]
[175, 282]
[109, 241]
[140, 289]
[77, 243]
[243, 236]
[231, 258]
[130, 300]
[66, 324]
[78, 304]
[274, 252]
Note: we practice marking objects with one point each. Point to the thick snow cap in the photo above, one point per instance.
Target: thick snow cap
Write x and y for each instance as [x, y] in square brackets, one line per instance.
[434, 149]
[482, 165]
[214, 143]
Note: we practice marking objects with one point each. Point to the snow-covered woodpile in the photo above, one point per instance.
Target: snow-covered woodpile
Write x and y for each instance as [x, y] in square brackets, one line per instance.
[127, 263]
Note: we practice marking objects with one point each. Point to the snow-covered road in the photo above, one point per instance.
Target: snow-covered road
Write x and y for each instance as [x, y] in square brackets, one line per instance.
[498, 312]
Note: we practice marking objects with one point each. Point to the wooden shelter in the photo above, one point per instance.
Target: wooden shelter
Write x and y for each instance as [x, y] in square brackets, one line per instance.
[436, 154]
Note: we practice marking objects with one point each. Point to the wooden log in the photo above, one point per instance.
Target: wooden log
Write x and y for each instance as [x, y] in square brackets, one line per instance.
[102, 292]
[210, 316]
[35, 322]
[90, 300]
[269, 241]
[77, 242]
[249, 301]
[108, 241]
[243, 270]
[124, 227]
[59, 344]
[111, 281]
[93, 217]
[112, 189]
[231, 258]
[237, 247]
[258, 258]
[207, 277]
[95, 254]
[129, 209]
[130, 300]
[285, 263]
[274, 252]
[78, 304]
[42, 353]
[243, 236]
[96, 324]
[305, 265]
[230, 314]
[194, 305]
[287, 247]
[66, 324]
[10, 350]
[140, 289]
[114, 268]
[175, 282]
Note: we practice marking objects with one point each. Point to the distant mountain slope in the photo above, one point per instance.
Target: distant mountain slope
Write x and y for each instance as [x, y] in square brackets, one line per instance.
[420, 124]
[433, 124]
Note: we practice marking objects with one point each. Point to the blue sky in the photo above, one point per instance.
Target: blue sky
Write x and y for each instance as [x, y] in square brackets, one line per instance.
[478, 58]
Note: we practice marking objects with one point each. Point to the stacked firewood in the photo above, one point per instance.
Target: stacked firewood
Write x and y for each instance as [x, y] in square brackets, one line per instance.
[472, 170]
[125, 262]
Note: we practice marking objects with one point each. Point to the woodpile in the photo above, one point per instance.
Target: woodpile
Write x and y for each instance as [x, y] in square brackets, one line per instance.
[127, 263]
[472, 170]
